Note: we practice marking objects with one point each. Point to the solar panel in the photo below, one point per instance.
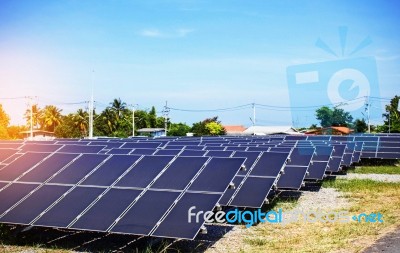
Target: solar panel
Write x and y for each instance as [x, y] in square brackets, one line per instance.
[143, 151]
[253, 192]
[102, 214]
[78, 169]
[65, 211]
[10, 145]
[108, 145]
[48, 167]
[219, 153]
[6, 153]
[174, 226]
[334, 164]
[187, 152]
[12, 194]
[36, 203]
[168, 152]
[269, 164]
[151, 145]
[320, 159]
[251, 157]
[180, 173]
[21, 165]
[224, 201]
[111, 170]
[144, 215]
[293, 178]
[144, 171]
[81, 149]
[120, 151]
[40, 147]
[217, 174]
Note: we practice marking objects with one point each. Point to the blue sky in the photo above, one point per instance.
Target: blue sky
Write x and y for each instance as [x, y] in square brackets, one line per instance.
[197, 55]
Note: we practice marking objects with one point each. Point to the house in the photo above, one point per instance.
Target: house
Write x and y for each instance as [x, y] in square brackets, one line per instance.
[333, 130]
[153, 132]
[234, 129]
[38, 135]
[269, 130]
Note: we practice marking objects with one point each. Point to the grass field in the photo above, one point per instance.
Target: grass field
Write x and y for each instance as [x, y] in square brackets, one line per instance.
[392, 170]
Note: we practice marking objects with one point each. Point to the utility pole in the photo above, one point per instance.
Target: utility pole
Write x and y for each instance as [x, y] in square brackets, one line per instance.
[367, 109]
[165, 114]
[91, 102]
[254, 119]
[133, 120]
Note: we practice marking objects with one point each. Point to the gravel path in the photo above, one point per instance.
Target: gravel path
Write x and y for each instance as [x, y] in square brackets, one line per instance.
[376, 177]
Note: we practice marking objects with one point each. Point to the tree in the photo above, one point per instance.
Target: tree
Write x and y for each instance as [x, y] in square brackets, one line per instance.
[51, 117]
[215, 128]
[37, 117]
[68, 128]
[80, 119]
[393, 114]
[335, 117]
[4, 122]
[360, 126]
[199, 128]
[178, 129]
[14, 132]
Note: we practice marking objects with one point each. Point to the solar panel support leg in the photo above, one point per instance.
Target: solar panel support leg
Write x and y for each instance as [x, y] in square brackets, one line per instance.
[203, 230]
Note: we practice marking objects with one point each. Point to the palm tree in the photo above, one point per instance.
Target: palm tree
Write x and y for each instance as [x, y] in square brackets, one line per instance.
[36, 116]
[80, 120]
[51, 117]
[107, 117]
[118, 107]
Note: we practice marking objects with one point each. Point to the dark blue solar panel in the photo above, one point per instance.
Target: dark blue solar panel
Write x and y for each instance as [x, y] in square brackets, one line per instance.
[143, 151]
[292, 178]
[111, 170]
[168, 152]
[65, 211]
[236, 148]
[10, 145]
[146, 212]
[334, 164]
[106, 210]
[218, 153]
[36, 203]
[21, 165]
[253, 192]
[48, 167]
[180, 173]
[78, 169]
[6, 153]
[80, 149]
[176, 224]
[230, 191]
[193, 152]
[151, 145]
[120, 151]
[259, 149]
[217, 175]
[251, 157]
[317, 169]
[108, 145]
[281, 149]
[269, 164]
[322, 153]
[301, 156]
[144, 171]
[13, 193]
[40, 147]
[389, 144]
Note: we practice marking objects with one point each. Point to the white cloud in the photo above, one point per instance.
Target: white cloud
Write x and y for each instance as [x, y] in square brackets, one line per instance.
[155, 33]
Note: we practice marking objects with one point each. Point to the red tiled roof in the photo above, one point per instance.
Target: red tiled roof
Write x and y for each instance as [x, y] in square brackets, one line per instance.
[236, 129]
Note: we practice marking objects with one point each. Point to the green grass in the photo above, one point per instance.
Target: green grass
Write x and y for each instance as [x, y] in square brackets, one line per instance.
[365, 196]
[392, 170]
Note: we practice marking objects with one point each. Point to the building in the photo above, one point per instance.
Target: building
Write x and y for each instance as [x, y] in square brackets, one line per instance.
[269, 130]
[38, 135]
[331, 131]
[234, 130]
[152, 132]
